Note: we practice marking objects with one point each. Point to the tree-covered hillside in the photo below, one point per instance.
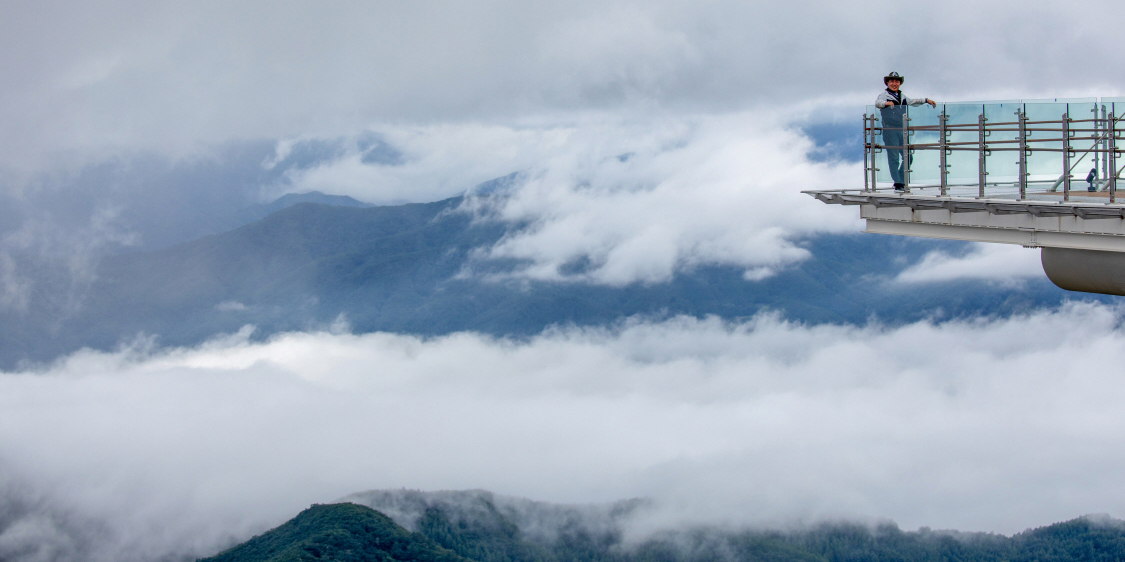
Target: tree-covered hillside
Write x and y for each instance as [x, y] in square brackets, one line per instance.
[479, 527]
[338, 532]
[411, 268]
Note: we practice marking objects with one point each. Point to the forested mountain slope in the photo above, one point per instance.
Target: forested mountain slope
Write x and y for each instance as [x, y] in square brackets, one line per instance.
[478, 526]
[339, 532]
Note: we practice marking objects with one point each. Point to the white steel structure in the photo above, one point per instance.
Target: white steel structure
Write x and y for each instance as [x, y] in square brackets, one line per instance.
[1043, 174]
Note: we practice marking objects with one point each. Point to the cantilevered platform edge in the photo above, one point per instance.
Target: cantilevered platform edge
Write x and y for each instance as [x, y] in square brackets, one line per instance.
[1075, 225]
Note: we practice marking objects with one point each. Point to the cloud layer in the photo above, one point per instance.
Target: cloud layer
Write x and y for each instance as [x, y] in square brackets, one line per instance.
[612, 200]
[604, 199]
[169, 76]
[709, 191]
[1004, 263]
[973, 425]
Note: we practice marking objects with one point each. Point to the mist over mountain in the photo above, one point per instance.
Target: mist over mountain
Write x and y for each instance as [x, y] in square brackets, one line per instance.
[419, 269]
[483, 512]
[260, 211]
[484, 527]
[340, 532]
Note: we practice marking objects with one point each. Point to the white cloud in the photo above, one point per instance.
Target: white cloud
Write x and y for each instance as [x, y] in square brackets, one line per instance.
[438, 161]
[704, 191]
[1004, 263]
[172, 75]
[977, 425]
[630, 199]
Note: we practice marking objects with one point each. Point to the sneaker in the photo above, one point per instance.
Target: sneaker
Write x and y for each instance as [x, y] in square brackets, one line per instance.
[900, 188]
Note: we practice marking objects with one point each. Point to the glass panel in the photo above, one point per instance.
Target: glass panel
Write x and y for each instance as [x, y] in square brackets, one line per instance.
[1086, 139]
[1116, 111]
[924, 159]
[1044, 143]
[890, 123]
[1002, 158]
[1082, 137]
[879, 155]
[962, 120]
[1063, 100]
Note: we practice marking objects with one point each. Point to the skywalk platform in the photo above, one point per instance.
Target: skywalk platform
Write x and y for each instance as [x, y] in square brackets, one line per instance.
[1041, 174]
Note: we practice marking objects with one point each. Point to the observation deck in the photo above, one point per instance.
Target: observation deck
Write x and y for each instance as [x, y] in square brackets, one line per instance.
[1042, 174]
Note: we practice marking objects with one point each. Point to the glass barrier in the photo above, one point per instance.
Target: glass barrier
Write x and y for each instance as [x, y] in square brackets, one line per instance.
[1057, 149]
[874, 158]
[1080, 138]
[925, 160]
[962, 155]
[1115, 167]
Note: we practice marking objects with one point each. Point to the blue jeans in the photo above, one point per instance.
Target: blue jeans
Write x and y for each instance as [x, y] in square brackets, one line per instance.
[893, 137]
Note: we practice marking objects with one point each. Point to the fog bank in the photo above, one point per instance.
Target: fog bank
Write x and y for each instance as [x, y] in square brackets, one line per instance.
[975, 425]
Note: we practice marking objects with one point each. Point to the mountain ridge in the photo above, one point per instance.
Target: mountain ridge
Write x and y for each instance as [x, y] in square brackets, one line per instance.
[401, 269]
[341, 532]
[478, 526]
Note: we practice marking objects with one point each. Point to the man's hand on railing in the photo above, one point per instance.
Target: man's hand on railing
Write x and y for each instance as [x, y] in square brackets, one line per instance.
[931, 102]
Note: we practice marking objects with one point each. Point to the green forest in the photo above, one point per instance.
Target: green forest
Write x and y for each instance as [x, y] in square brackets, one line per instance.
[350, 532]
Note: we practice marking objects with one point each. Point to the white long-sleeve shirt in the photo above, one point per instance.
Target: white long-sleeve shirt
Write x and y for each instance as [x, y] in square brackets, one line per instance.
[886, 96]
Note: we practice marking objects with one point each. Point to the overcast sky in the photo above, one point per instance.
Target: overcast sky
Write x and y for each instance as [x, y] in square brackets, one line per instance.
[653, 137]
[174, 75]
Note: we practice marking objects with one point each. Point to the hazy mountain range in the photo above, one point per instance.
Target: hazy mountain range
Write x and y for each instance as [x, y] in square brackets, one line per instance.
[315, 261]
[482, 527]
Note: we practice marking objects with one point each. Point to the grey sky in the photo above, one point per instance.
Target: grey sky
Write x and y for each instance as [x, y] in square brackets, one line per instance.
[169, 75]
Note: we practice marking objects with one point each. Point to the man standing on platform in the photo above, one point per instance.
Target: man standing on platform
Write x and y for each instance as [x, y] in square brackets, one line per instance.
[892, 108]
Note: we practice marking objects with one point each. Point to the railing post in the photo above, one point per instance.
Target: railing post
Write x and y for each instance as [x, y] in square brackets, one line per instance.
[944, 142]
[874, 160]
[1066, 154]
[982, 167]
[866, 156]
[1021, 115]
[906, 156]
[1111, 138]
[1105, 145]
[1095, 152]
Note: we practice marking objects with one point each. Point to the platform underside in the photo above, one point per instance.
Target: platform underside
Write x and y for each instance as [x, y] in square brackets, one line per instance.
[1083, 242]
[1077, 225]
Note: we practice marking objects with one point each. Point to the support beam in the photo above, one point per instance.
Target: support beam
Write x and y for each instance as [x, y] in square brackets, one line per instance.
[1029, 238]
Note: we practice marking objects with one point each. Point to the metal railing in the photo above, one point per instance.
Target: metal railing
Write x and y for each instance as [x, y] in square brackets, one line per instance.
[1023, 150]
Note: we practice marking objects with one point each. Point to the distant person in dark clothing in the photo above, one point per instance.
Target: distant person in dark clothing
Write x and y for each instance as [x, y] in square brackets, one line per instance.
[1090, 177]
[892, 108]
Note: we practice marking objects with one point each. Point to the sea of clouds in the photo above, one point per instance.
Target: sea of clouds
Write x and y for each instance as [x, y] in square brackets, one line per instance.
[994, 425]
[650, 138]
